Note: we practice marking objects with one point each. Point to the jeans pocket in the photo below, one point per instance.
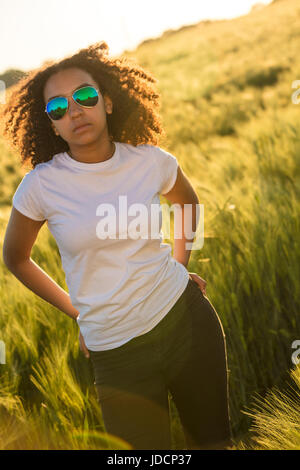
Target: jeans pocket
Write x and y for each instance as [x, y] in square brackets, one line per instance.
[196, 285]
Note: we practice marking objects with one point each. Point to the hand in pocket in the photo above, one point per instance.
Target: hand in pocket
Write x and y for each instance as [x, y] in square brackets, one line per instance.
[201, 282]
[82, 346]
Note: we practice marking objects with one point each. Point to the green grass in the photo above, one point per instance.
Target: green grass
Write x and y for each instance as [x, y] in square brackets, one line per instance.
[229, 119]
[276, 423]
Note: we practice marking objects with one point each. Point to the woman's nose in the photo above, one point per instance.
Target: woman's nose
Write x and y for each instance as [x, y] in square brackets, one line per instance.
[74, 108]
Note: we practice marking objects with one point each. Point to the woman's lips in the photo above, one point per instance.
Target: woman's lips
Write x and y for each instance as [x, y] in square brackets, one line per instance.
[81, 128]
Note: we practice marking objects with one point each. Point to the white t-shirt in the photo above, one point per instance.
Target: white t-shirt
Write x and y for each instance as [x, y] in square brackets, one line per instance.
[122, 287]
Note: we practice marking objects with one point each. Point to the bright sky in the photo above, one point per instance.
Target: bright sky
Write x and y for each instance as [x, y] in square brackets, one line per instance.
[32, 31]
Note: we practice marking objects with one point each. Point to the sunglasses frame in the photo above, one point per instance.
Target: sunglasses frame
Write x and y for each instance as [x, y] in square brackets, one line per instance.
[72, 96]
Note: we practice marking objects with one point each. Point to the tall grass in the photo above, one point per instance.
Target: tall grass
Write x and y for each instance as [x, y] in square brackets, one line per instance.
[276, 419]
[235, 132]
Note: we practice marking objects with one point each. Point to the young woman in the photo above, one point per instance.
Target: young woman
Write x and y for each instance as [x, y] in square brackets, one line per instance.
[89, 125]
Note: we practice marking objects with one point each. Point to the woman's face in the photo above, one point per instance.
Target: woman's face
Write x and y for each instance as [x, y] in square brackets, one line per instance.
[64, 83]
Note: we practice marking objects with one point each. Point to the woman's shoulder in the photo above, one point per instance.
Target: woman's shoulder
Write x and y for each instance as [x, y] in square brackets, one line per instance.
[142, 149]
[44, 166]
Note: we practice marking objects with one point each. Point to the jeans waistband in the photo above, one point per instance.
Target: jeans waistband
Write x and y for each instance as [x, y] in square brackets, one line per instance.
[169, 321]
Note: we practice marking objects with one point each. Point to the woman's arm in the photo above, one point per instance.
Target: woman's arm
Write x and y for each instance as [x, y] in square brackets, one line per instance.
[183, 193]
[21, 233]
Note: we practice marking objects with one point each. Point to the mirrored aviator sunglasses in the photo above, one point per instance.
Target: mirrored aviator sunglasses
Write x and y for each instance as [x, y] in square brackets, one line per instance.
[87, 97]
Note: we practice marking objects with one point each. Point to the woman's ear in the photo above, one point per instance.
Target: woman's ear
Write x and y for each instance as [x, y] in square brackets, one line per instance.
[108, 104]
[54, 129]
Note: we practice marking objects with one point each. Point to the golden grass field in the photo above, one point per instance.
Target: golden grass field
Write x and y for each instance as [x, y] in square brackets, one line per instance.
[230, 121]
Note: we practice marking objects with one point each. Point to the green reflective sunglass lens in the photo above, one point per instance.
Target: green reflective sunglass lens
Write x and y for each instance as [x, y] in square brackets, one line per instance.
[57, 107]
[87, 96]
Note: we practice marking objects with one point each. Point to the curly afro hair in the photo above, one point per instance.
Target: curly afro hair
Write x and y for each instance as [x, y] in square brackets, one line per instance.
[135, 119]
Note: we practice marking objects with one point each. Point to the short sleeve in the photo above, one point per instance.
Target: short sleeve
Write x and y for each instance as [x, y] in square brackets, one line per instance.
[167, 166]
[27, 197]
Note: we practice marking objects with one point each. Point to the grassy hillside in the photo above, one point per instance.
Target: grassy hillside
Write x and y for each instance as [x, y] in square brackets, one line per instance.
[229, 118]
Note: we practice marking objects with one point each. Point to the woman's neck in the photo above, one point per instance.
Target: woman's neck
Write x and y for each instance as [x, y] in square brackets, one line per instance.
[105, 153]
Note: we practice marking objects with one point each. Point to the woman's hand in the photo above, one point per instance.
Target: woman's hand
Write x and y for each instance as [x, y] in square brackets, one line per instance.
[82, 346]
[201, 282]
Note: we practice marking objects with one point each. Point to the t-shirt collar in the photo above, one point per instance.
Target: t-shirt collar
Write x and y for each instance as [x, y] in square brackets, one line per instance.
[92, 166]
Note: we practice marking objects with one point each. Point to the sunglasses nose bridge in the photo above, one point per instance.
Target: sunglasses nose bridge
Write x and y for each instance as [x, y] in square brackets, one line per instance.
[73, 104]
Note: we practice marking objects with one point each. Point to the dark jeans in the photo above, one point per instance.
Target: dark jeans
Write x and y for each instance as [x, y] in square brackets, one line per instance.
[185, 354]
